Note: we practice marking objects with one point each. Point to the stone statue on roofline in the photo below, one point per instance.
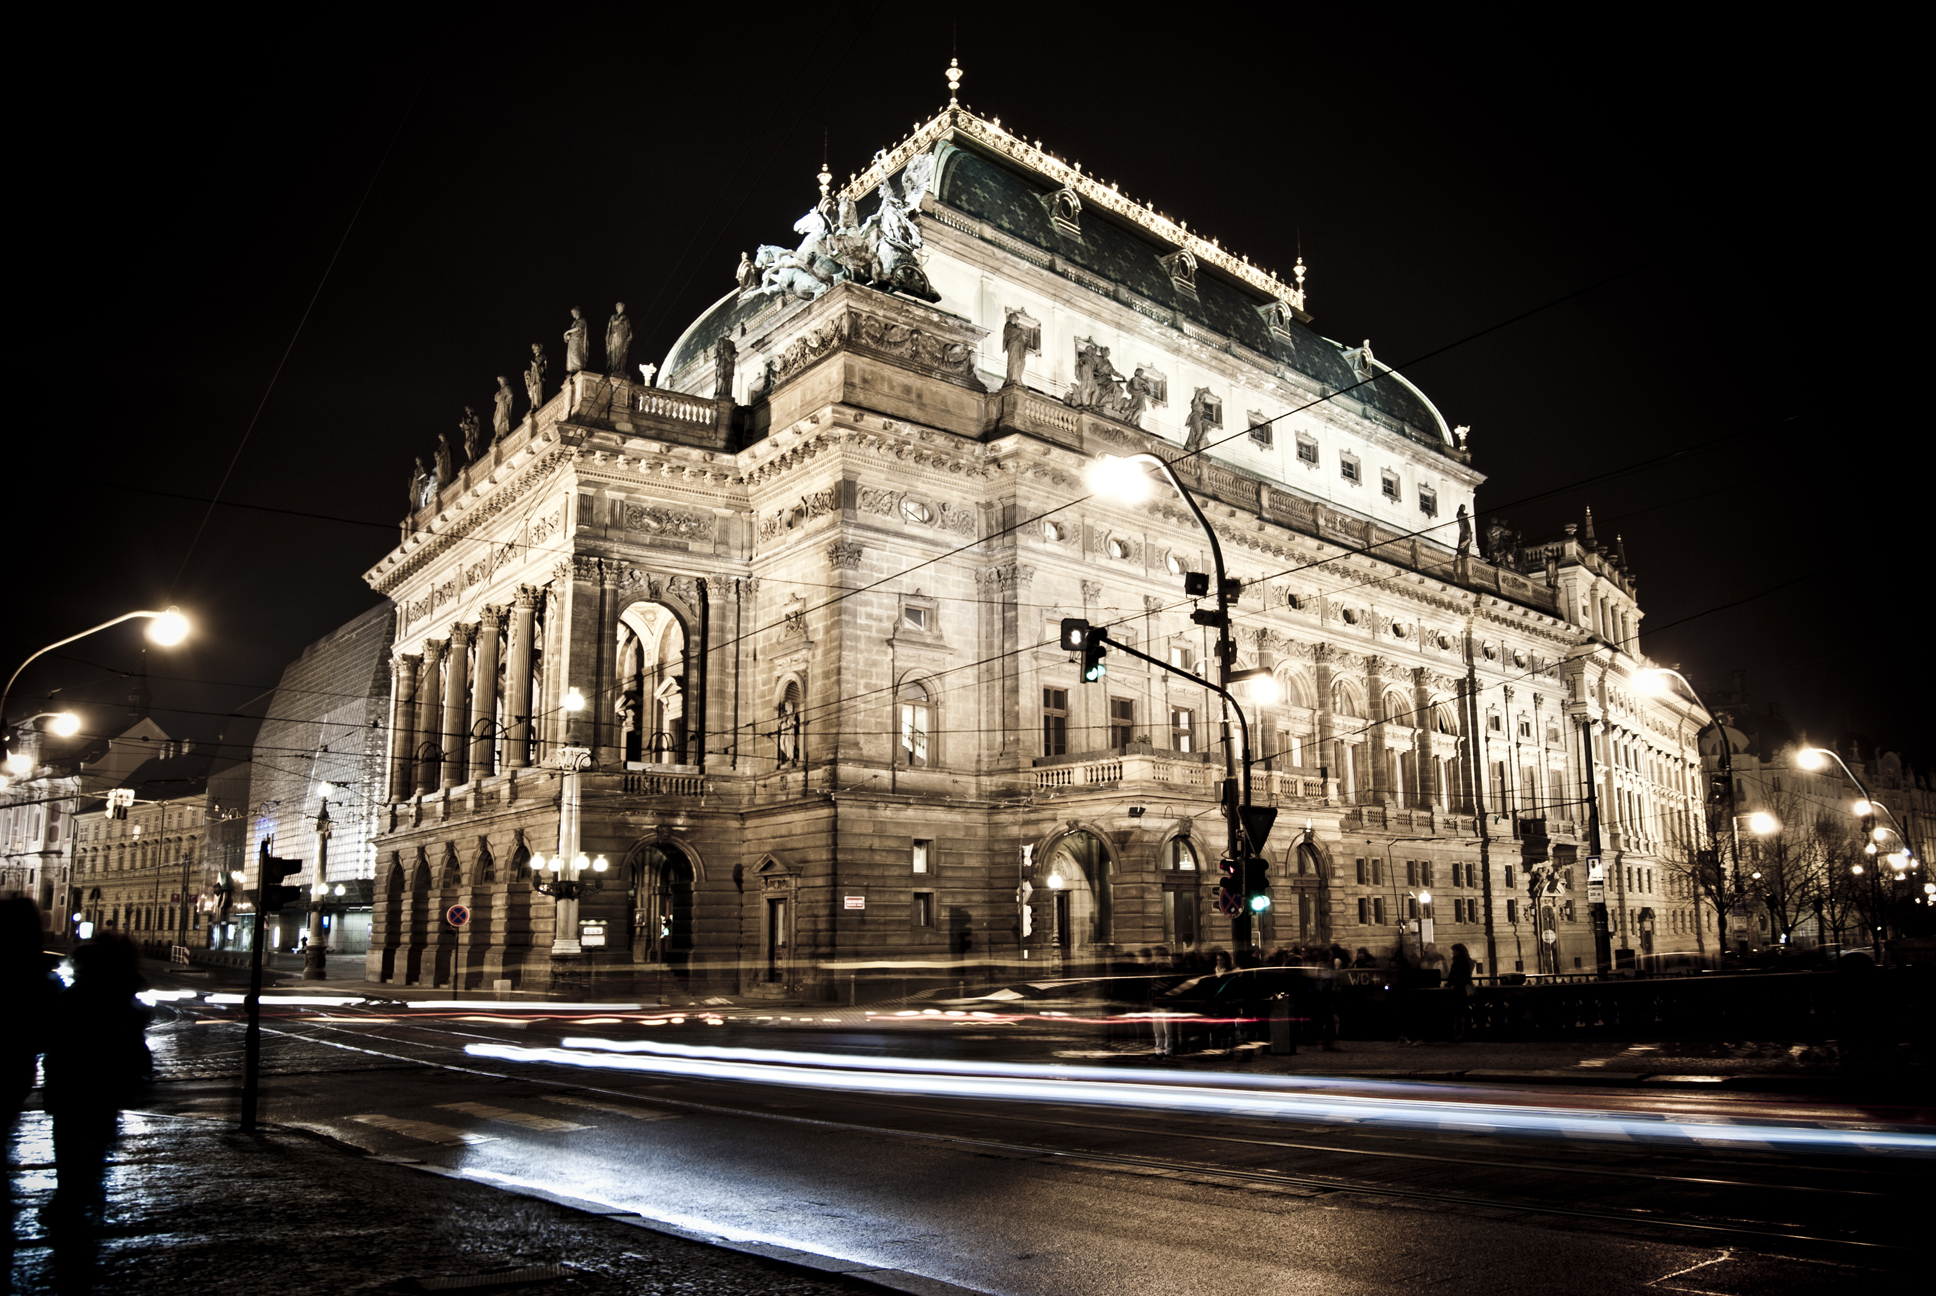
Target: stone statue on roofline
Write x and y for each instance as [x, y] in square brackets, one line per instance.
[501, 413]
[417, 479]
[1200, 420]
[473, 432]
[725, 357]
[649, 374]
[1141, 392]
[1465, 533]
[444, 471]
[534, 377]
[577, 343]
[618, 341]
[747, 276]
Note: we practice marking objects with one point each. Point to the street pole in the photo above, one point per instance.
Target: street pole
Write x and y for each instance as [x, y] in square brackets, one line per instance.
[1475, 765]
[1596, 880]
[252, 1005]
[315, 957]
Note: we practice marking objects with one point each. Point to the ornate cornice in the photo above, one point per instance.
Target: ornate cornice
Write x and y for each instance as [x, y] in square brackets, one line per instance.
[527, 481]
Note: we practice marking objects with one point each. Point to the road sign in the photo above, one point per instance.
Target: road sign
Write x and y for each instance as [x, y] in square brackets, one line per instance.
[457, 915]
[856, 902]
[1549, 935]
[1596, 893]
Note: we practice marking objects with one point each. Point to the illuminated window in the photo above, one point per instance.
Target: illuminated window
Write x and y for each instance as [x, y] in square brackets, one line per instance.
[922, 853]
[915, 717]
[1182, 727]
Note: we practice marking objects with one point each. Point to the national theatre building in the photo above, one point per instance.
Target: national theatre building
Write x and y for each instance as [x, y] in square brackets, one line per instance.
[741, 670]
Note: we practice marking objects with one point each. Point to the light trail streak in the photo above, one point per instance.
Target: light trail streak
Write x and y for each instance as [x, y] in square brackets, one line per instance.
[1085, 1085]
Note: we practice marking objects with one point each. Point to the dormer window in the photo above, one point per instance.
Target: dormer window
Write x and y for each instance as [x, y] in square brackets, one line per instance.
[1182, 268]
[1277, 318]
[1388, 482]
[1065, 212]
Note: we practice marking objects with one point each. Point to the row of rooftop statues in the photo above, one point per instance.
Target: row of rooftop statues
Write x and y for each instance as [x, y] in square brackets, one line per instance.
[425, 482]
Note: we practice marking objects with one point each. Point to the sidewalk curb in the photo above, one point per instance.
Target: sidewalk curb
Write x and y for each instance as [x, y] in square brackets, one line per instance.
[807, 1262]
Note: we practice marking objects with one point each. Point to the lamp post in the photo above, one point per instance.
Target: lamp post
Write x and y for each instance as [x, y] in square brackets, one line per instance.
[315, 957]
[1123, 477]
[569, 865]
[1654, 682]
[169, 628]
[1817, 758]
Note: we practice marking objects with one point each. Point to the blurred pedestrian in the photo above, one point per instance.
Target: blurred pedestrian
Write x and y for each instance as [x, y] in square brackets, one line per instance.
[1460, 975]
[29, 987]
[97, 1064]
[1364, 959]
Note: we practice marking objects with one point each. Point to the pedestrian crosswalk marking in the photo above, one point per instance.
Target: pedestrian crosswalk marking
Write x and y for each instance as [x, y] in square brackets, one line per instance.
[617, 1109]
[548, 1124]
[423, 1130]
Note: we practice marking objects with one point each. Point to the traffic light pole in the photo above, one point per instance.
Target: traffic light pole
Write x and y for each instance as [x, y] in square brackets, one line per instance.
[252, 1005]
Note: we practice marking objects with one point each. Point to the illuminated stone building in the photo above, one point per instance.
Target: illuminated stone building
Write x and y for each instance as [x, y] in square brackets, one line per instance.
[782, 628]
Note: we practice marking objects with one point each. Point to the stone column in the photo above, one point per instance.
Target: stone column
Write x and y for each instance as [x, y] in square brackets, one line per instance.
[605, 691]
[1330, 750]
[430, 721]
[517, 681]
[457, 689]
[583, 651]
[1379, 746]
[1424, 750]
[403, 701]
[483, 716]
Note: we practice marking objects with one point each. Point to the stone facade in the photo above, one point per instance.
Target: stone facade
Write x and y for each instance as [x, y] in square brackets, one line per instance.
[794, 649]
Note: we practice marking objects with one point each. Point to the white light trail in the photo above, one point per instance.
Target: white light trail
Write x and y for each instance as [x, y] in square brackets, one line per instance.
[1083, 1085]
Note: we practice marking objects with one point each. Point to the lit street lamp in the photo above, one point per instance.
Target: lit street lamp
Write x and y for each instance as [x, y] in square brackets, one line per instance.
[1865, 808]
[1125, 478]
[169, 628]
[569, 866]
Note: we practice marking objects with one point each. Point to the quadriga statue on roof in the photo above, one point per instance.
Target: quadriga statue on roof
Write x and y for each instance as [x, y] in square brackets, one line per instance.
[884, 251]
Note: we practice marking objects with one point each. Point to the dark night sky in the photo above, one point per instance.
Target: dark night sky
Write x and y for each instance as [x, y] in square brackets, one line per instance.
[1444, 175]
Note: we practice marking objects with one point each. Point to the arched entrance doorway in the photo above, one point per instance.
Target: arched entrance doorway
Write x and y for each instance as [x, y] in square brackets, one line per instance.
[652, 678]
[1080, 919]
[660, 877]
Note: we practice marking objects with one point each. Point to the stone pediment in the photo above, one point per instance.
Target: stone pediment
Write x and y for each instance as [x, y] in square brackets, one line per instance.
[867, 322]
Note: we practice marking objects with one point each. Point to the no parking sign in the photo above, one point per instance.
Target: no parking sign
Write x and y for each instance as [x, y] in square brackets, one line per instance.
[457, 915]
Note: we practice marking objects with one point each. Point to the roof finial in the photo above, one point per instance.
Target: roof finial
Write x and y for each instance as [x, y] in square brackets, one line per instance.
[825, 177]
[1592, 545]
[954, 82]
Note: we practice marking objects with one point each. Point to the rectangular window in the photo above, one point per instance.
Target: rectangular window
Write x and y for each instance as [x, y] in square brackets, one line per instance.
[1377, 872]
[1364, 910]
[923, 852]
[1363, 877]
[1428, 501]
[1122, 722]
[1411, 906]
[1512, 911]
[1425, 872]
[1378, 910]
[924, 908]
[1389, 484]
[1182, 726]
[915, 618]
[1260, 431]
[1509, 877]
[1494, 723]
[914, 732]
[1307, 449]
[1411, 872]
[1525, 728]
[1055, 722]
[1180, 657]
[1348, 468]
[1180, 923]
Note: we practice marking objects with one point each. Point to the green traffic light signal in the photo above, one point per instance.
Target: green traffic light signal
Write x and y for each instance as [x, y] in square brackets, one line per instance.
[1260, 903]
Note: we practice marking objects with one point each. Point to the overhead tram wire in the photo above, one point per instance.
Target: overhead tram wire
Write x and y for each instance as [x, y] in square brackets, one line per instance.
[286, 351]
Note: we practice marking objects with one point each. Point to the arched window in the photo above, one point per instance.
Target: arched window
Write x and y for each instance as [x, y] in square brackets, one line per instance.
[787, 732]
[916, 714]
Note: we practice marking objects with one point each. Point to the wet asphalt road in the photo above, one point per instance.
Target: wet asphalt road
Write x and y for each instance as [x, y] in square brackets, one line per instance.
[1074, 1197]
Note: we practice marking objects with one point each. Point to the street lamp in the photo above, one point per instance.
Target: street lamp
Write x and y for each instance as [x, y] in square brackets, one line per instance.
[569, 866]
[1126, 478]
[168, 629]
[1865, 807]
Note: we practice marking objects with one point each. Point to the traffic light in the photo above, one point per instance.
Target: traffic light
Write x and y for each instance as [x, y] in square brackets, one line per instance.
[1075, 633]
[1257, 884]
[1092, 654]
[1230, 891]
[269, 895]
[119, 800]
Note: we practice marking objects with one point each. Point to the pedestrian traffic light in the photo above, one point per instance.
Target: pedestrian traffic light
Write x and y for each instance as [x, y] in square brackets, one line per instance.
[269, 895]
[1092, 654]
[1230, 891]
[1075, 633]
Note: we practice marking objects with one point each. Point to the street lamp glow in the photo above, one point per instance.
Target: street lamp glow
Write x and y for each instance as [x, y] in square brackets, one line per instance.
[1762, 824]
[1055, 882]
[1651, 682]
[600, 864]
[20, 764]
[574, 700]
[168, 628]
[1425, 897]
[1864, 806]
[1119, 479]
[1262, 684]
[65, 725]
[1810, 758]
[580, 863]
[1879, 833]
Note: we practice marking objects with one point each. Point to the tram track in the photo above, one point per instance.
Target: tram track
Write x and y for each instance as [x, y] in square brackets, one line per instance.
[1306, 1183]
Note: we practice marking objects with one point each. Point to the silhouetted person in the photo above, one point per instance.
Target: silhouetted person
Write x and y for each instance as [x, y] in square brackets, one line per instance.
[97, 1063]
[1460, 974]
[27, 990]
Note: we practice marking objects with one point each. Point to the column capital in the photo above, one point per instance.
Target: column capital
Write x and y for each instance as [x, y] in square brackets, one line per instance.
[461, 635]
[526, 597]
[434, 649]
[490, 618]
